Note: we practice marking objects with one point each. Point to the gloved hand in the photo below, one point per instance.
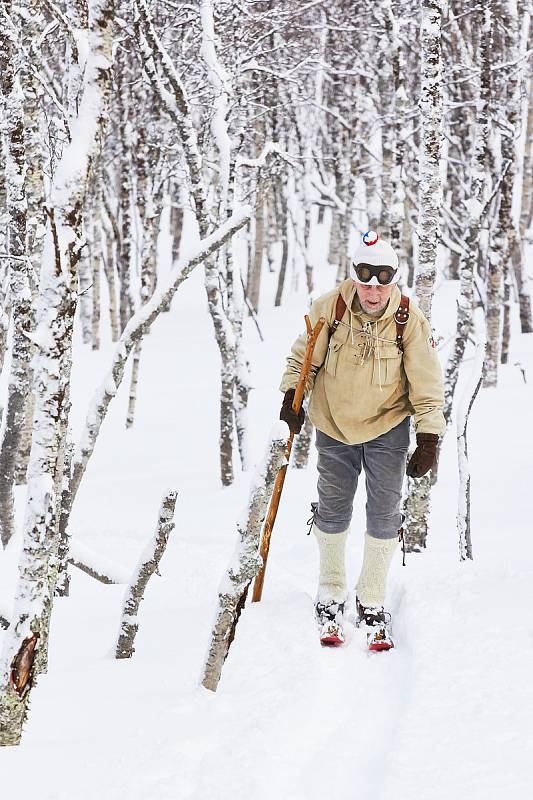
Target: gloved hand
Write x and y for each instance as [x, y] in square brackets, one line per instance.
[294, 421]
[424, 456]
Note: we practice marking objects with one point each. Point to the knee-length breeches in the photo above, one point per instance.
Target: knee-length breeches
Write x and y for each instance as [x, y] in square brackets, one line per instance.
[339, 467]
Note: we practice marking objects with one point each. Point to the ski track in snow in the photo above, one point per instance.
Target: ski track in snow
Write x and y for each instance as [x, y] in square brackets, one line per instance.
[446, 714]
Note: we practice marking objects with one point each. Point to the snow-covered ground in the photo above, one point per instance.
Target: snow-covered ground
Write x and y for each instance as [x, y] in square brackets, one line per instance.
[446, 714]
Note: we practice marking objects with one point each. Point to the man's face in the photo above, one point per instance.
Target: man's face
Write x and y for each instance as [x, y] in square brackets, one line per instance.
[373, 299]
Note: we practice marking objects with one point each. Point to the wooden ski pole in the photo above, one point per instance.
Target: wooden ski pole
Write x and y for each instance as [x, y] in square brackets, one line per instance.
[270, 519]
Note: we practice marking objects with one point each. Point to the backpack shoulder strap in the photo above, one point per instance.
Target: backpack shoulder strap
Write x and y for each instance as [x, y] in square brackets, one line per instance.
[401, 316]
[340, 308]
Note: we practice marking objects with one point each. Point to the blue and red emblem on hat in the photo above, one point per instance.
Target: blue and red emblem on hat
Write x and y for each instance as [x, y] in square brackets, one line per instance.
[370, 238]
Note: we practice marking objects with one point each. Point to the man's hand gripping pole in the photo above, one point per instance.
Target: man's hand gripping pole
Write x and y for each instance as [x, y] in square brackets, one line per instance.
[312, 336]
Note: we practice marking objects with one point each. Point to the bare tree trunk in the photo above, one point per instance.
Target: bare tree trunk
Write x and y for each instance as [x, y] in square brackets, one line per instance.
[125, 200]
[506, 323]
[245, 563]
[148, 279]
[109, 269]
[285, 246]
[21, 295]
[148, 564]
[85, 295]
[416, 508]
[176, 227]
[506, 90]
[35, 218]
[526, 203]
[254, 279]
[96, 252]
[463, 511]
[470, 255]
[26, 643]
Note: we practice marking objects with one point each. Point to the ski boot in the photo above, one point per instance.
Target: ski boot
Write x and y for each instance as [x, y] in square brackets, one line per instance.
[329, 617]
[377, 624]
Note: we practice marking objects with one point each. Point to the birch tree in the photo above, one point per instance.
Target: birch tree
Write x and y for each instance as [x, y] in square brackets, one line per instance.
[25, 649]
[416, 507]
[19, 266]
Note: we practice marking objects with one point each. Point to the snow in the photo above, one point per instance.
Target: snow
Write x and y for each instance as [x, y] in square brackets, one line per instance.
[446, 714]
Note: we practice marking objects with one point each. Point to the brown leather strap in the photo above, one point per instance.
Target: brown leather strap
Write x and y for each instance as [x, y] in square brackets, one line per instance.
[401, 317]
[340, 308]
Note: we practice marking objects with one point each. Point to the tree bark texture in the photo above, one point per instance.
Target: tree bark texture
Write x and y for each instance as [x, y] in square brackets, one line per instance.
[506, 94]
[416, 508]
[25, 648]
[470, 255]
[245, 563]
[19, 276]
[148, 564]
[465, 407]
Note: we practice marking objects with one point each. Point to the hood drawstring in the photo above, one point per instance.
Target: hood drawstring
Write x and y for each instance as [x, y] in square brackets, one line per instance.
[371, 342]
[377, 355]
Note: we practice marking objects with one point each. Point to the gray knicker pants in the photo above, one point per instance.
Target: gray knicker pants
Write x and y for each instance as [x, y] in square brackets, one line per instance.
[339, 467]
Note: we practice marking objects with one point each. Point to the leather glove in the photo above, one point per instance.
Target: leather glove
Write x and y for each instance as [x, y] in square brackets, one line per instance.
[424, 456]
[293, 420]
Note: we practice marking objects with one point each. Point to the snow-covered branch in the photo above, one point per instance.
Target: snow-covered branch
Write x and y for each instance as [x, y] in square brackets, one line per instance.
[246, 561]
[141, 321]
[148, 564]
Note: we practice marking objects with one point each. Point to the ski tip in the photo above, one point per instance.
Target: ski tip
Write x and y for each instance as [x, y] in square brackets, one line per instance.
[331, 641]
[376, 647]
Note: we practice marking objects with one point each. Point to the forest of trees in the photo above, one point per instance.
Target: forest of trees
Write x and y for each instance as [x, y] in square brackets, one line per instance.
[251, 121]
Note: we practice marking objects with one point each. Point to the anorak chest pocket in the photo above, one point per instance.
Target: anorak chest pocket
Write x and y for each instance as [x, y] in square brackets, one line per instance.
[387, 366]
[332, 356]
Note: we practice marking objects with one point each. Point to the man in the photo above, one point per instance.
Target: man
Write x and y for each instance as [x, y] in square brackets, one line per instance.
[374, 366]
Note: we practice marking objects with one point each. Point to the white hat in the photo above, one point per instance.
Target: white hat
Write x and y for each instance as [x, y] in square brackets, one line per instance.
[377, 253]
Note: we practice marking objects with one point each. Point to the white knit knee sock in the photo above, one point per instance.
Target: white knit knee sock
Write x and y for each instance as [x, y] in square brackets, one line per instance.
[332, 577]
[372, 581]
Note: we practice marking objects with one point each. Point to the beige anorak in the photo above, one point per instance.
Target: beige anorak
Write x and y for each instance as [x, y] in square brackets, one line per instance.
[361, 385]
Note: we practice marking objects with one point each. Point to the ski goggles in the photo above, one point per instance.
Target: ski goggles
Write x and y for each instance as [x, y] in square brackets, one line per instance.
[366, 273]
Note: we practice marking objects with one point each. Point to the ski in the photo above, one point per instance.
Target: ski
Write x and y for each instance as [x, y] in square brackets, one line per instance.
[329, 617]
[376, 621]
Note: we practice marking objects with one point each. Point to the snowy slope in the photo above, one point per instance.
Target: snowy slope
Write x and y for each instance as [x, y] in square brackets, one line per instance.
[447, 714]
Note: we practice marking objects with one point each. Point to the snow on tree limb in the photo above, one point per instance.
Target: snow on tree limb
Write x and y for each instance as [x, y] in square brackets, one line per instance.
[175, 100]
[219, 80]
[26, 644]
[463, 411]
[97, 566]
[134, 331]
[148, 564]
[246, 561]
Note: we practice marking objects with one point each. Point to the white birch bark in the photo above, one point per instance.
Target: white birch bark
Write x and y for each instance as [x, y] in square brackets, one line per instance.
[26, 643]
[475, 205]
[14, 414]
[526, 210]
[160, 68]
[416, 508]
[148, 564]
[463, 412]
[125, 201]
[109, 270]
[246, 561]
[506, 96]
[34, 186]
[148, 278]
[96, 263]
